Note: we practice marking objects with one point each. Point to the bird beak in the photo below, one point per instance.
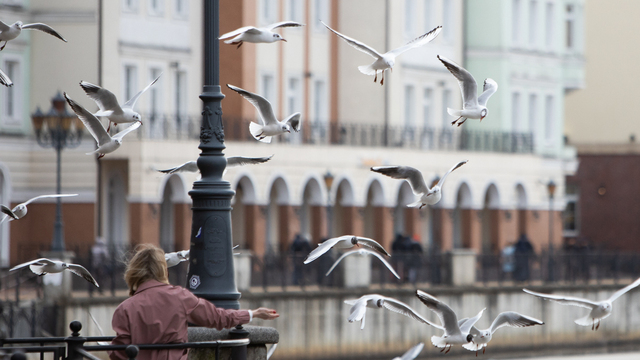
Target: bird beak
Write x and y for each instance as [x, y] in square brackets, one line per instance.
[289, 131]
[285, 40]
[429, 194]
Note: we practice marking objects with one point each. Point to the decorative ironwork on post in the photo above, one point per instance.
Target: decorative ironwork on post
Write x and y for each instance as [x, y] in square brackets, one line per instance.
[211, 270]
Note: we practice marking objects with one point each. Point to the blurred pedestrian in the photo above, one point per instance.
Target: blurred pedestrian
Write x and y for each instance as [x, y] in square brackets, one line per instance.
[300, 248]
[100, 261]
[523, 252]
[414, 258]
[507, 257]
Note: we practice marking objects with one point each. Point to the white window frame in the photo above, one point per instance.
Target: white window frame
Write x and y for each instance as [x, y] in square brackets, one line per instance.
[155, 91]
[14, 120]
[575, 199]
[549, 108]
[570, 26]
[181, 92]
[428, 17]
[533, 112]
[427, 108]
[549, 15]
[130, 6]
[321, 11]
[409, 94]
[447, 96]
[269, 11]
[516, 22]
[294, 96]
[295, 11]
[410, 19]
[448, 21]
[516, 112]
[181, 14]
[533, 23]
[270, 94]
[156, 10]
[129, 89]
[320, 102]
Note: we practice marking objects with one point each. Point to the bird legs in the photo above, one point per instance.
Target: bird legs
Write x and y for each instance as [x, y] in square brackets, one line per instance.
[101, 156]
[5, 44]
[375, 79]
[239, 44]
[461, 122]
[445, 348]
[594, 326]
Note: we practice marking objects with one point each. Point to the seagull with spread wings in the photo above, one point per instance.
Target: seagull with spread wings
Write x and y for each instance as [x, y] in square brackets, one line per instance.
[232, 161]
[599, 309]
[411, 353]
[109, 106]
[10, 32]
[106, 143]
[364, 252]
[344, 242]
[387, 60]
[416, 180]
[359, 308]
[45, 266]
[253, 34]
[508, 318]
[270, 125]
[4, 79]
[20, 210]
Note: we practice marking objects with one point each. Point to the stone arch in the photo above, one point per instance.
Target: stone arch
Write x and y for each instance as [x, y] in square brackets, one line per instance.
[462, 217]
[343, 210]
[172, 194]
[404, 216]
[311, 211]
[491, 220]
[521, 209]
[374, 223]
[243, 213]
[277, 214]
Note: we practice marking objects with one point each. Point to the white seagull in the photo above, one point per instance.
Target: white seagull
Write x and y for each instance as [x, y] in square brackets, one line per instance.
[363, 252]
[232, 161]
[344, 242]
[416, 180]
[175, 258]
[20, 210]
[253, 34]
[106, 143]
[508, 318]
[45, 266]
[411, 353]
[474, 106]
[599, 309]
[359, 308]
[387, 60]
[10, 32]
[454, 334]
[109, 106]
[270, 125]
[4, 79]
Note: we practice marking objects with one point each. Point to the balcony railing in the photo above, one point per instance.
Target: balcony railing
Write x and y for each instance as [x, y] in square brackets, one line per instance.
[349, 134]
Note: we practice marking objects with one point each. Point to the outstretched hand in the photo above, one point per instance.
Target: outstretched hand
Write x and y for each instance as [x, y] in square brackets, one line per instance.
[265, 314]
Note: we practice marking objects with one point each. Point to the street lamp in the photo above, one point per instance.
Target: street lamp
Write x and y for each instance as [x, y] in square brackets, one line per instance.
[328, 181]
[551, 189]
[57, 129]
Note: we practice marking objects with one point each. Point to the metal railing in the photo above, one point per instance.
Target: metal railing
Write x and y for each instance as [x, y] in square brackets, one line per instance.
[168, 127]
[73, 347]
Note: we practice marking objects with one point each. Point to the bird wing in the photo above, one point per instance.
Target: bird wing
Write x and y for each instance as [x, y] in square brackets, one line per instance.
[272, 349]
[3, 27]
[417, 42]
[447, 317]
[467, 83]
[488, 89]
[132, 102]
[466, 326]
[564, 300]
[284, 24]
[263, 105]
[412, 175]
[127, 130]
[41, 261]
[473, 331]
[356, 44]
[385, 262]
[4, 79]
[105, 99]
[294, 121]
[43, 27]
[82, 272]
[324, 247]
[247, 29]
[47, 196]
[624, 290]
[370, 243]
[242, 160]
[340, 259]
[441, 181]
[189, 166]
[90, 122]
[9, 213]
[404, 309]
[413, 352]
[513, 319]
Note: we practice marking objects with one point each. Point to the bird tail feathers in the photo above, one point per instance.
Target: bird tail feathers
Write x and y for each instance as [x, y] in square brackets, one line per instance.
[415, 204]
[256, 131]
[92, 152]
[473, 346]
[438, 341]
[453, 112]
[231, 41]
[585, 321]
[367, 70]
[37, 269]
[103, 113]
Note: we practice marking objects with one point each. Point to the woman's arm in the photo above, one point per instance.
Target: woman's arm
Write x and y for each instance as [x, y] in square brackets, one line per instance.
[120, 324]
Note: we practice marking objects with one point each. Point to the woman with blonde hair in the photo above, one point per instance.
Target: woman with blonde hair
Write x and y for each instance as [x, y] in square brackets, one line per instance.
[158, 313]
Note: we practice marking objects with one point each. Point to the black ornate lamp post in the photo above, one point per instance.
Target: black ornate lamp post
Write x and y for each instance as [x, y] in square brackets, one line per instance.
[58, 129]
[211, 270]
[551, 188]
[328, 181]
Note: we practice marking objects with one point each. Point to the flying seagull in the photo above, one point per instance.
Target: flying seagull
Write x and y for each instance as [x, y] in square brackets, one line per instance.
[20, 210]
[474, 106]
[257, 35]
[454, 334]
[387, 60]
[4, 79]
[175, 258]
[599, 310]
[411, 353]
[345, 241]
[416, 180]
[106, 143]
[363, 252]
[45, 266]
[270, 125]
[508, 318]
[109, 106]
[232, 161]
[359, 308]
[10, 32]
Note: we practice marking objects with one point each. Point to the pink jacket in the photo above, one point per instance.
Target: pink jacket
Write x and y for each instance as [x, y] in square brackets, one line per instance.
[158, 314]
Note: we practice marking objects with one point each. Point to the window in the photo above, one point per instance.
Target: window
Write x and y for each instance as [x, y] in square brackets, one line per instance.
[295, 10]
[130, 5]
[319, 101]
[181, 93]
[269, 91]
[409, 105]
[447, 20]
[533, 22]
[156, 7]
[515, 21]
[130, 83]
[429, 20]
[321, 13]
[11, 100]
[570, 215]
[427, 100]
[269, 11]
[570, 24]
[181, 7]
[446, 101]
[409, 18]
[549, 120]
[293, 96]
[533, 112]
[516, 113]
[548, 36]
[155, 93]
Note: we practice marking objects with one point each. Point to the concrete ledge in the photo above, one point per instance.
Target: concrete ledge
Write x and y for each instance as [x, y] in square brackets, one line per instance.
[256, 350]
